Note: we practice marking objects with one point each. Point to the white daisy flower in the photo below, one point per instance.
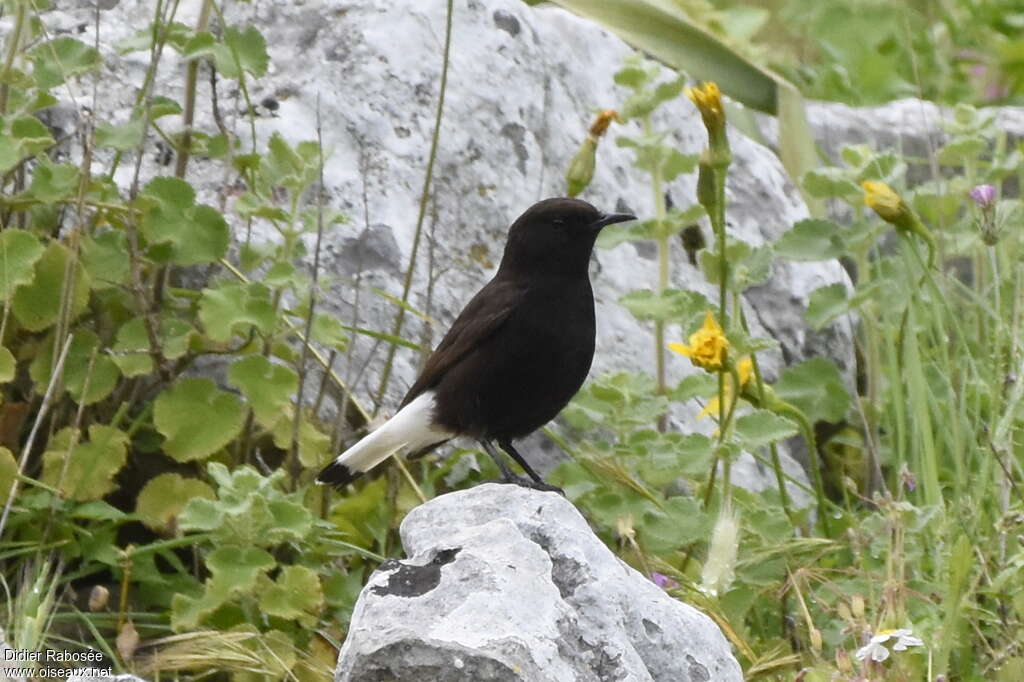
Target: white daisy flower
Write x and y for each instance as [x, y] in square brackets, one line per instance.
[878, 652]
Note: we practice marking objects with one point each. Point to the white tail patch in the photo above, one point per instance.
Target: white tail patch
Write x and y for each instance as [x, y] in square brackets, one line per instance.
[411, 428]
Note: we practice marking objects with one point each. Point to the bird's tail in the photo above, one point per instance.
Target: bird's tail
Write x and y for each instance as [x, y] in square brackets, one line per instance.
[412, 427]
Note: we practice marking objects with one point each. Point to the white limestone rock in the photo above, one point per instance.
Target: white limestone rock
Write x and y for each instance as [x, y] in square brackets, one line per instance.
[508, 584]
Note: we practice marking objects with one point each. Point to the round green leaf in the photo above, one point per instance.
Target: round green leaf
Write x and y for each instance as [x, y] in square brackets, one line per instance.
[37, 304]
[816, 388]
[8, 470]
[7, 365]
[239, 567]
[295, 595]
[826, 304]
[162, 499]
[90, 471]
[57, 60]
[232, 306]
[763, 427]
[101, 377]
[268, 387]
[195, 233]
[197, 419]
[19, 251]
[811, 240]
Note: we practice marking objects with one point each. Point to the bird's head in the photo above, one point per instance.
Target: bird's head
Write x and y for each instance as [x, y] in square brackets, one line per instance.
[556, 236]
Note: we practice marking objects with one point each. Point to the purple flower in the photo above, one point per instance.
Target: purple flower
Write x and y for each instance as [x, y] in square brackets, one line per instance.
[663, 581]
[983, 195]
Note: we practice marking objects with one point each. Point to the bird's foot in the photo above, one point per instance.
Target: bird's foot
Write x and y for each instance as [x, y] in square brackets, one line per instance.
[525, 482]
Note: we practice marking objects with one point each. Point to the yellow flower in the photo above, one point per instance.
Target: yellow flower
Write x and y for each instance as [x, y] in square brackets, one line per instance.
[881, 198]
[745, 368]
[708, 100]
[708, 345]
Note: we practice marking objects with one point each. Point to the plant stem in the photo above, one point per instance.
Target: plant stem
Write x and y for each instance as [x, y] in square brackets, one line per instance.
[658, 197]
[13, 45]
[424, 196]
[188, 116]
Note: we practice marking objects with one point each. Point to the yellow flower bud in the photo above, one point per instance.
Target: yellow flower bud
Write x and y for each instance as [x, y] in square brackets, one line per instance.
[881, 198]
[581, 168]
[891, 208]
[603, 120]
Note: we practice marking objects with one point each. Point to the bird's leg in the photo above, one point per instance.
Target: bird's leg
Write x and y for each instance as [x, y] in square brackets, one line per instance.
[538, 482]
[506, 475]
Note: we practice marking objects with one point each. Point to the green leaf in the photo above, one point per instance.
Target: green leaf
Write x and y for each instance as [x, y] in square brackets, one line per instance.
[52, 183]
[676, 163]
[31, 135]
[681, 522]
[816, 388]
[85, 350]
[239, 567]
[89, 472]
[233, 308]
[163, 499]
[123, 137]
[105, 258]
[268, 387]
[748, 265]
[697, 385]
[7, 365]
[761, 428]
[674, 455]
[36, 305]
[826, 304]
[19, 252]
[8, 470]
[294, 595]
[196, 233]
[197, 418]
[811, 240]
[57, 60]
[327, 330]
[826, 183]
[672, 304]
[314, 445]
[962, 149]
[163, 106]
[131, 349]
[244, 50]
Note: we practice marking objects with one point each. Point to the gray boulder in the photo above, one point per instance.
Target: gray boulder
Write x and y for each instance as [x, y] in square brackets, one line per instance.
[509, 584]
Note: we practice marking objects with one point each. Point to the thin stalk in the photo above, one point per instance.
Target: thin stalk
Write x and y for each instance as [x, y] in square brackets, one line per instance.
[13, 45]
[776, 461]
[658, 196]
[294, 467]
[424, 196]
[191, 78]
[58, 371]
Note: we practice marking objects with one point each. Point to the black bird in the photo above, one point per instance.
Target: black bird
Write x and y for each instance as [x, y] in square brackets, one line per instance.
[514, 357]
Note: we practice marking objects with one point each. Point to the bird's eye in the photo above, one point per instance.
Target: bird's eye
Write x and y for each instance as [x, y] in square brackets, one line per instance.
[558, 222]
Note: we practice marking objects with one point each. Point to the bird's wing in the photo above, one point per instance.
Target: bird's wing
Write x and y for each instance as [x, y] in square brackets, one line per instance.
[483, 315]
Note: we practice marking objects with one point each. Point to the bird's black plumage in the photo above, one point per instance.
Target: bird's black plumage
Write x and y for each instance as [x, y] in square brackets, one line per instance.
[520, 349]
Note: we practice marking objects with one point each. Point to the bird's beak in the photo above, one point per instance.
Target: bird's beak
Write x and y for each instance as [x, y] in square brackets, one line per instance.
[610, 219]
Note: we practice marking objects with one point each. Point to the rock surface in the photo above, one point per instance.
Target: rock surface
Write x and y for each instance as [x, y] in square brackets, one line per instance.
[508, 584]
